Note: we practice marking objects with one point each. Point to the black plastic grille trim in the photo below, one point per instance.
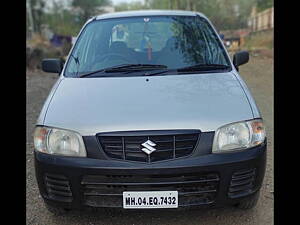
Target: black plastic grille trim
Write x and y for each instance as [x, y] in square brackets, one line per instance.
[58, 187]
[242, 183]
[168, 145]
[107, 190]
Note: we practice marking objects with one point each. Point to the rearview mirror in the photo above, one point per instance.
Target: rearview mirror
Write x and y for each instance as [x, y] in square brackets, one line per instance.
[52, 65]
[240, 58]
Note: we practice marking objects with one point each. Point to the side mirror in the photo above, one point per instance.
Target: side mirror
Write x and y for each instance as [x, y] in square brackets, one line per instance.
[52, 65]
[240, 58]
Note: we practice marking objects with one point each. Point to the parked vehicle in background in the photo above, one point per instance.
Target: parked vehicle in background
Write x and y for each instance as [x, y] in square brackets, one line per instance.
[159, 118]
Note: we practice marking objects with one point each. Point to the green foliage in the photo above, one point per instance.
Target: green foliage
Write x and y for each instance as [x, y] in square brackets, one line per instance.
[135, 5]
[89, 8]
[259, 40]
[63, 22]
[37, 9]
[162, 4]
[264, 4]
[225, 14]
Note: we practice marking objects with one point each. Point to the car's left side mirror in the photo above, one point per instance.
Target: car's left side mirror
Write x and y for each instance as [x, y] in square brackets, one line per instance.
[52, 65]
[240, 58]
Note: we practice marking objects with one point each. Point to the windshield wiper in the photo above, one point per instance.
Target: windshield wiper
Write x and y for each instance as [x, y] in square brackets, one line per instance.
[161, 72]
[126, 68]
[137, 66]
[203, 67]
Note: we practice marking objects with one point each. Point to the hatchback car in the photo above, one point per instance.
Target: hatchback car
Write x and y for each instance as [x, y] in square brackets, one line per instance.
[149, 111]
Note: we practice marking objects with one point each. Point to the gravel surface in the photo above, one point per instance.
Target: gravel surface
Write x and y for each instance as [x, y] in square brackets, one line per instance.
[258, 74]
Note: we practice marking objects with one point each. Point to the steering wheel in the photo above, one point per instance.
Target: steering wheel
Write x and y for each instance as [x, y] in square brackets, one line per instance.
[103, 61]
[109, 55]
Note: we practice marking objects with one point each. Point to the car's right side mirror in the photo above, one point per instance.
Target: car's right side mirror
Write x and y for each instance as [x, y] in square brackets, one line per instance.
[52, 65]
[240, 58]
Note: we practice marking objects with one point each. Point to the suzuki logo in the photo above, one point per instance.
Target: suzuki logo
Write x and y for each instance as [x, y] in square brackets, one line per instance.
[148, 147]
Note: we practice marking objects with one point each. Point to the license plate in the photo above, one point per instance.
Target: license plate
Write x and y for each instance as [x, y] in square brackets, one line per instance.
[150, 199]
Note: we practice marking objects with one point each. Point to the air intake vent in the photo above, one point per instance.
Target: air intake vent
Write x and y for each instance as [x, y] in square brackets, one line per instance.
[167, 145]
[58, 187]
[242, 183]
[107, 190]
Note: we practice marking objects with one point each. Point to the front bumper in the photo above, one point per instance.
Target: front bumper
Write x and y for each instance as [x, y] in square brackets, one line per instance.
[207, 180]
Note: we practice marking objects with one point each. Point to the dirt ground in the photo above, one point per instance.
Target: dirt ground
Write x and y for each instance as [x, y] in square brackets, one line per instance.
[258, 74]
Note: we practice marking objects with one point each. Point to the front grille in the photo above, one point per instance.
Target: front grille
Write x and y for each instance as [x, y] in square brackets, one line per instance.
[107, 190]
[167, 146]
[58, 187]
[242, 183]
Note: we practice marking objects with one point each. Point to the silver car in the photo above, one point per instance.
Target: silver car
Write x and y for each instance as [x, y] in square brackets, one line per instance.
[149, 111]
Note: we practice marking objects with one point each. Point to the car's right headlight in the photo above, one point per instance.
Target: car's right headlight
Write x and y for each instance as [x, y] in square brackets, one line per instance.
[58, 142]
[239, 136]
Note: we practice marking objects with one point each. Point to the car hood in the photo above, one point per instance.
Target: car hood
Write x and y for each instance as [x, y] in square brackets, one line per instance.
[193, 101]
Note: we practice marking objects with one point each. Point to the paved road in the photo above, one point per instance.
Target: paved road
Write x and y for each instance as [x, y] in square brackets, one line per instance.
[258, 74]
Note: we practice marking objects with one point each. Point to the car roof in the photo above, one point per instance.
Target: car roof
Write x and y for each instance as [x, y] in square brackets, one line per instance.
[148, 13]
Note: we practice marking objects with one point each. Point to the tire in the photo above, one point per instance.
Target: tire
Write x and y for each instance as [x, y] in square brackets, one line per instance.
[55, 210]
[249, 203]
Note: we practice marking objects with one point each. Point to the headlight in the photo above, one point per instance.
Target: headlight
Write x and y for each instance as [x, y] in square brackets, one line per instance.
[58, 142]
[238, 136]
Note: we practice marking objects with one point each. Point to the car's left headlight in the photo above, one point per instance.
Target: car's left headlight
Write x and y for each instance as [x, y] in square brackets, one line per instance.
[58, 142]
[239, 136]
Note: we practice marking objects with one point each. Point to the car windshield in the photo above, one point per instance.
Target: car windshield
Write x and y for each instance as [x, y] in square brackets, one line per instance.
[173, 42]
